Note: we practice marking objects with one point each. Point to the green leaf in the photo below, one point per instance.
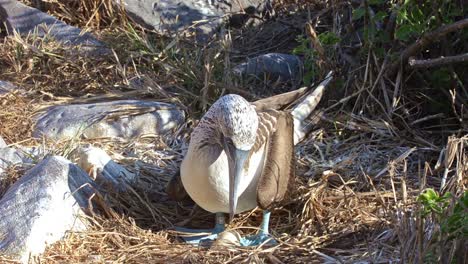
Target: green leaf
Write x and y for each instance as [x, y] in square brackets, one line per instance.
[455, 12]
[383, 36]
[404, 32]
[447, 196]
[418, 15]
[402, 16]
[428, 196]
[328, 38]
[302, 48]
[380, 16]
[380, 52]
[464, 199]
[376, 2]
[358, 13]
[299, 50]
[441, 77]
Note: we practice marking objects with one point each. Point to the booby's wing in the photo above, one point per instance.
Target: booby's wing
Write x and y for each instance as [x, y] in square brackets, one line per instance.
[307, 96]
[280, 101]
[300, 103]
[279, 160]
[175, 189]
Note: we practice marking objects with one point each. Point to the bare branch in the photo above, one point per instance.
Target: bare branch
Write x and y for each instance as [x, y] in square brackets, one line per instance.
[414, 63]
[424, 41]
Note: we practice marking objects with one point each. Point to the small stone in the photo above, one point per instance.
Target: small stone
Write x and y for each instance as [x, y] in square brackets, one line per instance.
[2, 143]
[10, 157]
[272, 66]
[42, 206]
[95, 259]
[7, 87]
[125, 119]
[28, 20]
[102, 168]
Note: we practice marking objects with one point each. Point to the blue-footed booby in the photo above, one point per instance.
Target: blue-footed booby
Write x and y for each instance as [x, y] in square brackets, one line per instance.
[241, 155]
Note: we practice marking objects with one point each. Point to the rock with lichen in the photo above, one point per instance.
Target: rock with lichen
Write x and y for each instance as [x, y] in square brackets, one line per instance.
[42, 206]
[276, 67]
[28, 20]
[124, 119]
[198, 16]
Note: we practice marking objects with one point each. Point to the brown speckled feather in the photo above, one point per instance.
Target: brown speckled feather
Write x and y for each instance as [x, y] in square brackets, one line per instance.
[279, 161]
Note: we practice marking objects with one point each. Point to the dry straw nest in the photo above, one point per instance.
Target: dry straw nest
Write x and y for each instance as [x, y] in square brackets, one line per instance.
[358, 172]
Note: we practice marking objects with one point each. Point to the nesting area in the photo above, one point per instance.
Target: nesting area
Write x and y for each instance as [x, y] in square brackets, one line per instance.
[379, 140]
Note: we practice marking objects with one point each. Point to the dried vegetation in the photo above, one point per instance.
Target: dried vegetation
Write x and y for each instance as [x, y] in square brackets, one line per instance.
[386, 133]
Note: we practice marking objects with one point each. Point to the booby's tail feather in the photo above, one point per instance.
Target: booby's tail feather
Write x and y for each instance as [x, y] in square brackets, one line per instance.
[303, 109]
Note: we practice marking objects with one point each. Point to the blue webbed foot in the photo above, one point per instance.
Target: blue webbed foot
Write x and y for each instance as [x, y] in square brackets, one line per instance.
[262, 237]
[258, 239]
[203, 236]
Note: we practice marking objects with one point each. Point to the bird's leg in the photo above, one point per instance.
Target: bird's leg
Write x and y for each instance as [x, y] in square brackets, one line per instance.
[220, 222]
[198, 236]
[262, 236]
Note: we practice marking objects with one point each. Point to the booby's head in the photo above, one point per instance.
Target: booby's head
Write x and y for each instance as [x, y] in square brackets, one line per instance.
[237, 121]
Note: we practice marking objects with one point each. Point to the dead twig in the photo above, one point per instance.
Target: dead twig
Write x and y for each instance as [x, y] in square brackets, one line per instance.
[318, 47]
[414, 63]
[424, 41]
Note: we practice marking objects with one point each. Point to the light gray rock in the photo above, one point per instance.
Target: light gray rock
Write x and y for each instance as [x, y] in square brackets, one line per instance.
[33, 153]
[102, 168]
[6, 87]
[124, 119]
[2, 143]
[17, 156]
[204, 17]
[273, 66]
[21, 154]
[42, 206]
[11, 156]
[26, 20]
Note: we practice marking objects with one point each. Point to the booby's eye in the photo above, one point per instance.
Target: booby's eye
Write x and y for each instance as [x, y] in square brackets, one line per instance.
[229, 141]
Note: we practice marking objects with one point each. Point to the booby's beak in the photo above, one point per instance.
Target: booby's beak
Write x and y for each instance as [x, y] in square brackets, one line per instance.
[236, 160]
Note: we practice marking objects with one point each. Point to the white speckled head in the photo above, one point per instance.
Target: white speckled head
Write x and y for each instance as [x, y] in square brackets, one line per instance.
[237, 120]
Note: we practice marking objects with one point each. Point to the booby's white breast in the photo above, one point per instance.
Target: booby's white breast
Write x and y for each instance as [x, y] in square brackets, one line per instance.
[205, 176]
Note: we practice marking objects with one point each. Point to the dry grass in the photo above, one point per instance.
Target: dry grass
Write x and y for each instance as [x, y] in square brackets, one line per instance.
[358, 174]
[16, 117]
